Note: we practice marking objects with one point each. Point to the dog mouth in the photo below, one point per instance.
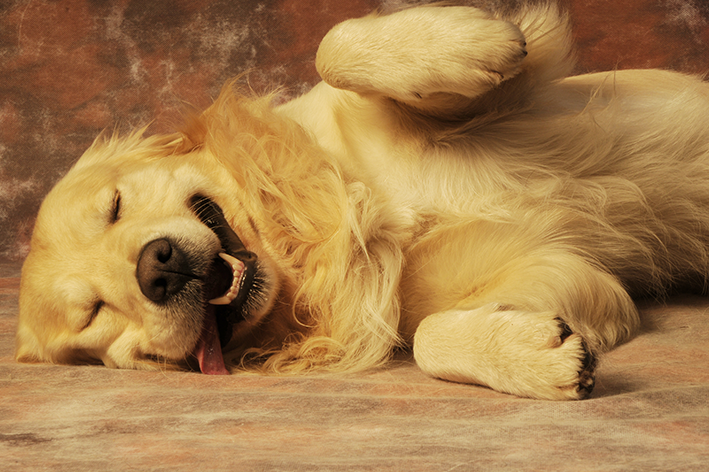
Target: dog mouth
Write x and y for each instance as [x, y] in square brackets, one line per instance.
[230, 284]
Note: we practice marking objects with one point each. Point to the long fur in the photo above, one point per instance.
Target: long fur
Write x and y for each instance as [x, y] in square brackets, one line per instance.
[332, 240]
[457, 193]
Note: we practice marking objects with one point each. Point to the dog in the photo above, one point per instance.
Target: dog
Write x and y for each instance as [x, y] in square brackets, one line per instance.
[448, 187]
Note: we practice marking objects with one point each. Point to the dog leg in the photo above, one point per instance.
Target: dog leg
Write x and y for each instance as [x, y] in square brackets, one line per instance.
[530, 320]
[432, 58]
[527, 354]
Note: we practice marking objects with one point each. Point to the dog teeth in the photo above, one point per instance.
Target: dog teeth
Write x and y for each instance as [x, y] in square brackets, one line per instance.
[232, 261]
[237, 268]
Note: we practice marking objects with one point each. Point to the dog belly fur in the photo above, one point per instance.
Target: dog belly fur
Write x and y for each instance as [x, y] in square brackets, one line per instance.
[588, 190]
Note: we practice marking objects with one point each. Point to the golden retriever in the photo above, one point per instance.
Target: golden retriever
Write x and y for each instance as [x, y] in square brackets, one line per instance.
[446, 187]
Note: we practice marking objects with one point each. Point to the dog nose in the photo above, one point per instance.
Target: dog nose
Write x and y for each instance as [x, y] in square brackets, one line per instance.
[163, 270]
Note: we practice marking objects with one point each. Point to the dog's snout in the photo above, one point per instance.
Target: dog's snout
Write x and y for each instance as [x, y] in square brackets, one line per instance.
[163, 270]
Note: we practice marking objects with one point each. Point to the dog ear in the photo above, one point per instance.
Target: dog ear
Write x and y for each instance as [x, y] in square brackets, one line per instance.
[193, 134]
[27, 348]
[37, 317]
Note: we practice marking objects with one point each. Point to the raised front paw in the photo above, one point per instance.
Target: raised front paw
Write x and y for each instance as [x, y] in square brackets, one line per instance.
[485, 53]
[420, 53]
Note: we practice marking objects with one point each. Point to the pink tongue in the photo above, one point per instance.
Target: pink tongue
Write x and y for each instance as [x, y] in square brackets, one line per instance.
[208, 350]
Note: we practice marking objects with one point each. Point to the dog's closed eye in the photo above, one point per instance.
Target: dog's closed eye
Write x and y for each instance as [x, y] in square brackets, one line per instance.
[95, 309]
[115, 212]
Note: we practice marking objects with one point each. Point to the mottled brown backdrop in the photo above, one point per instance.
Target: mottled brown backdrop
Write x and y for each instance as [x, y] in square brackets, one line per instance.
[71, 68]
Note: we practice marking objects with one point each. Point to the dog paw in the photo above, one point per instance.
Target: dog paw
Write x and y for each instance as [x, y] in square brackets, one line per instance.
[585, 378]
[486, 63]
[557, 364]
[533, 355]
[484, 53]
[419, 54]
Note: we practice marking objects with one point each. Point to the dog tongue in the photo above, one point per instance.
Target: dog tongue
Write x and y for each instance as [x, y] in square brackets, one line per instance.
[209, 350]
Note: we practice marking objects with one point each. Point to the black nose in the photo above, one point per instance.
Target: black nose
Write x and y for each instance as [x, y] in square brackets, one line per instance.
[163, 270]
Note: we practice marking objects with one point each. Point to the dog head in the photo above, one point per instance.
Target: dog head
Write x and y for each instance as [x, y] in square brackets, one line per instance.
[241, 231]
[134, 261]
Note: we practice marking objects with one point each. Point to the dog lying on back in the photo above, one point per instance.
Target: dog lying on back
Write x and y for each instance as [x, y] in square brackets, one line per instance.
[446, 187]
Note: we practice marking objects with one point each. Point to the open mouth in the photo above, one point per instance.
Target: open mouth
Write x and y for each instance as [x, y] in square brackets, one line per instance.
[230, 283]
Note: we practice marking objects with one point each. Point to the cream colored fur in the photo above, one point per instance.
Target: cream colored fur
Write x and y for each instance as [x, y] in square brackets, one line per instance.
[446, 187]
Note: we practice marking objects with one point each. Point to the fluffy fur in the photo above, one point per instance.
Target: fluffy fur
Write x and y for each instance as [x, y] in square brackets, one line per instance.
[456, 193]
